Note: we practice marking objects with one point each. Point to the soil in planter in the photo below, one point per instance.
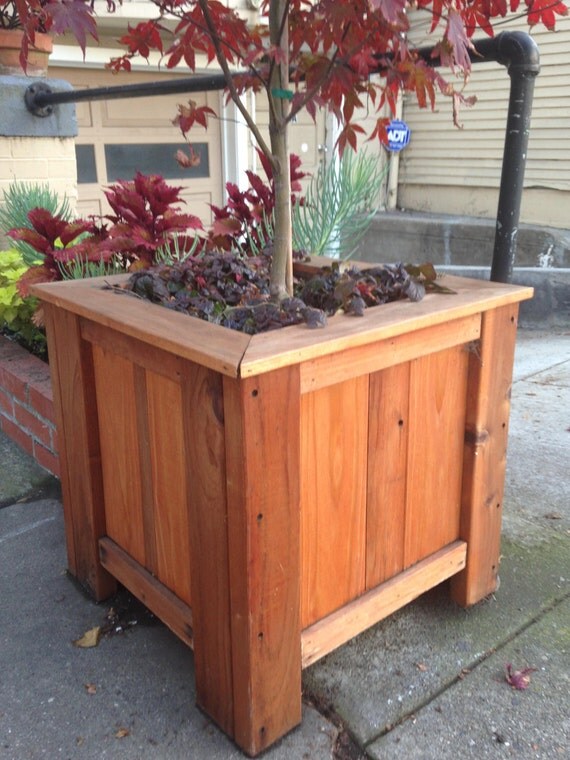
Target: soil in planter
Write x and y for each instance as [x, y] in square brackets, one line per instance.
[233, 291]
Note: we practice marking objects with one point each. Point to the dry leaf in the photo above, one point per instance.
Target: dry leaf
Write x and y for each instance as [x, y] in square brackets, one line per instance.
[122, 732]
[518, 679]
[89, 639]
[421, 666]
[90, 688]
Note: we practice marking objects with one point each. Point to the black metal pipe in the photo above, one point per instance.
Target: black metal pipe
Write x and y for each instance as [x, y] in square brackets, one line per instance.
[519, 53]
[515, 50]
[40, 98]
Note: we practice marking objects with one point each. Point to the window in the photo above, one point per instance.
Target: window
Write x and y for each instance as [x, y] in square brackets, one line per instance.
[124, 160]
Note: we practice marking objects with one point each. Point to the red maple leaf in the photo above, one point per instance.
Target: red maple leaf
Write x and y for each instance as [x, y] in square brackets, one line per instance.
[75, 16]
[545, 11]
[392, 10]
[191, 114]
[459, 42]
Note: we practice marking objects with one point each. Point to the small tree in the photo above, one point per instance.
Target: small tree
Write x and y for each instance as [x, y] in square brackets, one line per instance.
[303, 54]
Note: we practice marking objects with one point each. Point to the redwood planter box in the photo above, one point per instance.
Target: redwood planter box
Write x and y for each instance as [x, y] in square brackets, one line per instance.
[270, 497]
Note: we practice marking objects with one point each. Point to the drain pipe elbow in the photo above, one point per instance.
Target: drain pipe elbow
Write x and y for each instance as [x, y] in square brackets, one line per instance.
[518, 52]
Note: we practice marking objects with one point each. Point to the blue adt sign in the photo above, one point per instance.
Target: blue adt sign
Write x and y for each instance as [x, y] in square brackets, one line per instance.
[398, 135]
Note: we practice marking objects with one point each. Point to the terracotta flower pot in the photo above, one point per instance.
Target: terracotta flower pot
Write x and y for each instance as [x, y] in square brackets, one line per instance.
[10, 46]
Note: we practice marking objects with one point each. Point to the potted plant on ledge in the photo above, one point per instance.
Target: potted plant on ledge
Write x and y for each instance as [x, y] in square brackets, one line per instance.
[27, 28]
[270, 496]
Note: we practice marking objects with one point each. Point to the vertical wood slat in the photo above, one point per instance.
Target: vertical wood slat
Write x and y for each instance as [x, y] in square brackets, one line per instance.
[262, 436]
[168, 487]
[143, 436]
[438, 386]
[206, 507]
[119, 438]
[387, 469]
[78, 435]
[486, 432]
[334, 440]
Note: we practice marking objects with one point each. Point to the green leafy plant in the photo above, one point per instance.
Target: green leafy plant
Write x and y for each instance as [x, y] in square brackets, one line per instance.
[339, 205]
[19, 199]
[16, 312]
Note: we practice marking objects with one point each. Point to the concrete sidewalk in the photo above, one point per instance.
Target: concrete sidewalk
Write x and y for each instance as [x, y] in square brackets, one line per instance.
[426, 683]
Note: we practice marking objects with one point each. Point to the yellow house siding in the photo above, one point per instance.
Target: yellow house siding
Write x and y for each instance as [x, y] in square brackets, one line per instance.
[461, 169]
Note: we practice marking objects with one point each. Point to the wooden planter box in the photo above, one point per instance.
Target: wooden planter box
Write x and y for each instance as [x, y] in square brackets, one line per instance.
[270, 497]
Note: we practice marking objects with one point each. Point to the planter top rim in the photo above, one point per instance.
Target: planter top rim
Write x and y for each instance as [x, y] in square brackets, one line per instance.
[238, 355]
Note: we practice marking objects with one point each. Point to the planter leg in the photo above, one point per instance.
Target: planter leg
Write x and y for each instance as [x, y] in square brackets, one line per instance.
[486, 432]
[80, 460]
[262, 455]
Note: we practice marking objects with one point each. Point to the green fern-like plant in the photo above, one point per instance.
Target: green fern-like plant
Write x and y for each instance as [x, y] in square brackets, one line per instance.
[19, 199]
[339, 205]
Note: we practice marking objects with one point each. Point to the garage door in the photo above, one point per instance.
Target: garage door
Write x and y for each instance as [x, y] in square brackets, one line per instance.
[118, 137]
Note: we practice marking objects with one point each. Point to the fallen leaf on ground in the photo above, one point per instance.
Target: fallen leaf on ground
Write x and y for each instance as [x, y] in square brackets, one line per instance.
[89, 639]
[122, 732]
[518, 679]
[421, 666]
[90, 688]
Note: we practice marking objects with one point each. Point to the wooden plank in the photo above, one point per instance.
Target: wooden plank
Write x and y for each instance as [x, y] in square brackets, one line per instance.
[486, 433]
[168, 489]
[233, 353]
[334, 368]
[263, 463]
[291, 345]
[136, 351]
[119, 441]
[206, 508]
[336, 629]
[334, 443]
[162, 602]
[144, 471]
[387, 470]
[438, 387]
[211, 345]
[78, 440]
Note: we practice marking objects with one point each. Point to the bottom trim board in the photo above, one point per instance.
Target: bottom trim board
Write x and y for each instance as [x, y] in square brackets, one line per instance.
[161, 601]
[336, 629]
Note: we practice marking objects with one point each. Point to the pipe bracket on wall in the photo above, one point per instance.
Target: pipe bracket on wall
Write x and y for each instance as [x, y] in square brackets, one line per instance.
[32, 99]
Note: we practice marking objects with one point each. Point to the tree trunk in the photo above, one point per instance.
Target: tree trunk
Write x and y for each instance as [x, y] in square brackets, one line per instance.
[281, 281]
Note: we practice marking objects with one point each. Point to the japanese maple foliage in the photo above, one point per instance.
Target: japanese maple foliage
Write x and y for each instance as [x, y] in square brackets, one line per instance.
[304, 54]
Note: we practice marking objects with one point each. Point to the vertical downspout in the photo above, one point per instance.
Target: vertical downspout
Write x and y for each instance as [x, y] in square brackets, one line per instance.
[519, 53]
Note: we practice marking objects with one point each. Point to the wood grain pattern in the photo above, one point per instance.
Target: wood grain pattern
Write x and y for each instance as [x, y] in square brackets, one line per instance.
[233, 353]
[438, 386]
[334, 442]
[294, 344]
[168, 488]
[211, 345]
[388, 440]
[334, 368]
[336, 629]
[486, 433]
[263, 462]
[206, 509]
[80, 460]
[136, 351]
[118, 433]
[162, 602]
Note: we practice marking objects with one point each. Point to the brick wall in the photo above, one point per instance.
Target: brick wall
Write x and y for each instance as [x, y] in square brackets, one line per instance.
[26, 404]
